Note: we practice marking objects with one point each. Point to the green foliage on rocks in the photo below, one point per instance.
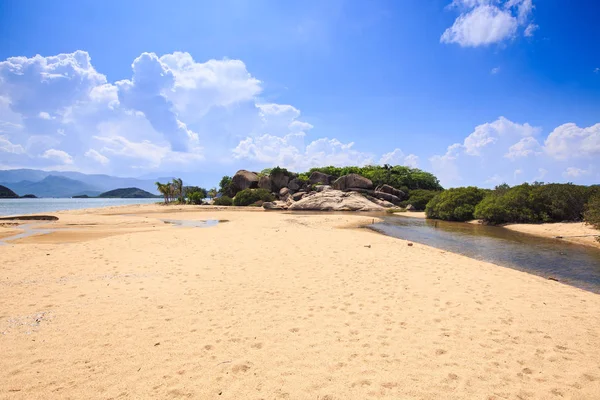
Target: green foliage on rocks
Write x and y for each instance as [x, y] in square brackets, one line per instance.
[247, 197]
[223, 201]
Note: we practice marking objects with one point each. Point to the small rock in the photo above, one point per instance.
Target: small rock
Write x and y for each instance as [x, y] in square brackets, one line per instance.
[410, 244]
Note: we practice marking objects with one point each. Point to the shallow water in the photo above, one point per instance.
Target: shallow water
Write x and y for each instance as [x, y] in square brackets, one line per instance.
[572, 264]
[35, 206]
[192, 223]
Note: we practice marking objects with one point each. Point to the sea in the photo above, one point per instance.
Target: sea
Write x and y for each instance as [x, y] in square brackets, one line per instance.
[12, 207]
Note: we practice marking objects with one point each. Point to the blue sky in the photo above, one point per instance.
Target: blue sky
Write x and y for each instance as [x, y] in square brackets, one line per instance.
[477, 91]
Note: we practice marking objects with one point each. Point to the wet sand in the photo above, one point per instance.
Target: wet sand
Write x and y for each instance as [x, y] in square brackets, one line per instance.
[565, 229]
[270, 306]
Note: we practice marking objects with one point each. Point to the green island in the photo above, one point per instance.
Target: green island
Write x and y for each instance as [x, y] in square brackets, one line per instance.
[394, 189]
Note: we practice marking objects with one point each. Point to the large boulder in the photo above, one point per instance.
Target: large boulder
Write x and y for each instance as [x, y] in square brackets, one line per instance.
[352, 181]
[284, 194]
[294, 185]
[323, 188]
[317, 178]
[391, 190]
[265, 183]
[279, 180]
[382, 203]
[387, 197]
[410, 207]
[298, 196]
[335, 200]
[244, 180]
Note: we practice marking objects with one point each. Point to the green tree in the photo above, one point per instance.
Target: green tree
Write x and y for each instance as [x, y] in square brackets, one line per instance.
[178, 191]
[456, 204]
[225, 186]
[247, 197]
[164, 189]
[212, 193]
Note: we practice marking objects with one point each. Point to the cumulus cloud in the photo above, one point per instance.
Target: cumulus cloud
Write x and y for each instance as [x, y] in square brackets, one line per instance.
[483, 154]
[570, 141]
[96, 156]
[485, 22]
[397, 157]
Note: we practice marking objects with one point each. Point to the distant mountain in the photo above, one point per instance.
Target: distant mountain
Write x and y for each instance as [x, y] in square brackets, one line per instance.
[6, 193]
[52, 186]
[100, 183]
[128, 193]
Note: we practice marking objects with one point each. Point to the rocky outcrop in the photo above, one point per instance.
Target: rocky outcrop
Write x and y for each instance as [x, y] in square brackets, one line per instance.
[298, 196]
[335, 200]
[410, 207]
[294, 185]
[391, 190]
[265, 183]
[244, 180]
[279, 180]
[387, 197]
[275, 205]
[284, 194]
[382, 203]
[317, 178]
[323, 188]
[352, 181]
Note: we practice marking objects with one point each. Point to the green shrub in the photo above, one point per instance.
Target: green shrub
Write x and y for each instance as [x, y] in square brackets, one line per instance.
[226, 186]
[534, 203]
[420, 197]
[195, 198]
[455, 204]
[249, 196]
[278, 170]
[592, 212]
[223, 201]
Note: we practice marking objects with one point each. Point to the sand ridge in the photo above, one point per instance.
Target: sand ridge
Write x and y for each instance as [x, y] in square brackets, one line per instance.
[273, 306]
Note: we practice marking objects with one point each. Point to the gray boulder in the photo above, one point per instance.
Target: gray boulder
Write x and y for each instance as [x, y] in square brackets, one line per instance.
[279, 180]
[284, 193]
[244, 180]
[410, 207]
[265, 183]
[382, 203]
[298, 196]
[294, 185]
[319, 178]
[386, 196]
[335, 200]
[322, 188]
[352, 181]
[391, 190]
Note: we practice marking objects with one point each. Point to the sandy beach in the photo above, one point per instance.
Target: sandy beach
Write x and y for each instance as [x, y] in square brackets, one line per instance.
[119, 304]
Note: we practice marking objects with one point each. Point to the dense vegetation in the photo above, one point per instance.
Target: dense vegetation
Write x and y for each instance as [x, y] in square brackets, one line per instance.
[6, 193]
[127, 193]
[592, 211]
[247, 197]
[419, 198]
[400, 177]
[455, 204]
[535, 203]
[223, 201]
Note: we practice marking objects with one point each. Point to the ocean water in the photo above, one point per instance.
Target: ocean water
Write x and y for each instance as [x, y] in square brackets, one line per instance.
[10, 207]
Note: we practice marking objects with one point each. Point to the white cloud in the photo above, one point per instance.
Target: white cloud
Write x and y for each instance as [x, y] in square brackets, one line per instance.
[542, 172]
[523, 148]
[573, 172]
[495, 70]
[58, 155]
[96, 156]
[531, 28]
[597, 70]
[485, 22]
[44, 115]
[8, 147]
[397, 157]
[570, 141]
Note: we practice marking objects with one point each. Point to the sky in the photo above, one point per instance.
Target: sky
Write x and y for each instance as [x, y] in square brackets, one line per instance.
[478, 92]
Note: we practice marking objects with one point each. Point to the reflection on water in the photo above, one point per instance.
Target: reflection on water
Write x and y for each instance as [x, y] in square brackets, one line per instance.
[28, 230]
[193, 223]
[575, 265]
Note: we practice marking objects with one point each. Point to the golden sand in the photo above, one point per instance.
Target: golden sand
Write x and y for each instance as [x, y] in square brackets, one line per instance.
[279, 306]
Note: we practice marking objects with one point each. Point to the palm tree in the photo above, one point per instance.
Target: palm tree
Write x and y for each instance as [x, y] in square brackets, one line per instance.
[178, 189]
[163, 189]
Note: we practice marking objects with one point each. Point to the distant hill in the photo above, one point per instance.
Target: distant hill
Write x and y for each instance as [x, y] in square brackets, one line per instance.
[128, 193]
[53, 186]
[98, 183]
[6, 193]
